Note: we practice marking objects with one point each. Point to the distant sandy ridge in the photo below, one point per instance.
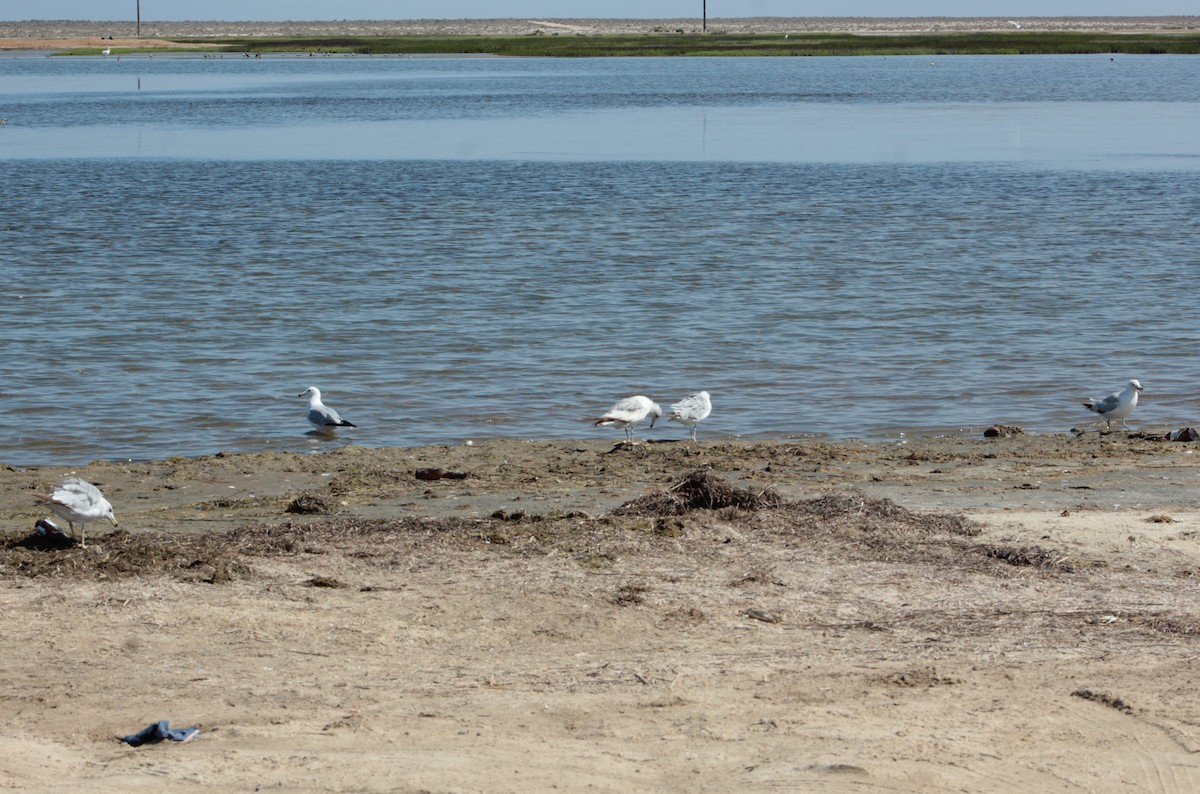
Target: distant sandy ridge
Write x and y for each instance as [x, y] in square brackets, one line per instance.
[47, 34]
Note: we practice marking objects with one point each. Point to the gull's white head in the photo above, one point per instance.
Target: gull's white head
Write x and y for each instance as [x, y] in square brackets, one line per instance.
[1136, 384]
[109, 515]
[312, 392]
[655, 413]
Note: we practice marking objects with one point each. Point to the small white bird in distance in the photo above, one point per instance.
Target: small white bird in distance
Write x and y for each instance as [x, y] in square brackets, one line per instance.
[692, 410]
[320, 415]
[78, 502]
[1117, 405]
[106, 51]
[627, 413]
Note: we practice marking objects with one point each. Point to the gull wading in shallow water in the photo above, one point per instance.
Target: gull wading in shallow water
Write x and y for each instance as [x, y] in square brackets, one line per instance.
[627, 413]
[692, 410]
[1117, 405]
[320, 415]
[78, 502]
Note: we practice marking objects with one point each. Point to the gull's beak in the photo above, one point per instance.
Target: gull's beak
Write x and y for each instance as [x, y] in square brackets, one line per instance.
[113, 520]
[653, 419]
[301, 394]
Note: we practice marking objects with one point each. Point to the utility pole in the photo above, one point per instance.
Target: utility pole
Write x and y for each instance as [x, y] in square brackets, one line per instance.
[703, 22]
[139, 18]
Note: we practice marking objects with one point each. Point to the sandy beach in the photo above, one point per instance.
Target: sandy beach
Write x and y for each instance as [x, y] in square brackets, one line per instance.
[930, 614]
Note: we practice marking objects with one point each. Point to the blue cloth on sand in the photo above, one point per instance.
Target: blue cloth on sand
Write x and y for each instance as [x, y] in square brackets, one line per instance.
[159, 731]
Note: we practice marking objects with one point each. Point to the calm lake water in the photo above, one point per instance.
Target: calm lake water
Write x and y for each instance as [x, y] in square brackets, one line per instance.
[464, 248]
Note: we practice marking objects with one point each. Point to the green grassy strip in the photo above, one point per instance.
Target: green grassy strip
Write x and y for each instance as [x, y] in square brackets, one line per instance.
[590, 46]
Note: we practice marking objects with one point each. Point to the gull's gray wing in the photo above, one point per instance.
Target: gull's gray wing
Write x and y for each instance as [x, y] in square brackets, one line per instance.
[629, 409]
[78, 495]
[1109, 403]
[324, 417]
[690, 407]
[627, 406]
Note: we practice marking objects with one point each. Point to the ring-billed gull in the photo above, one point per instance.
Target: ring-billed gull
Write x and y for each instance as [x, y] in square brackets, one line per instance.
[320, 415]
[627, 413]
[79, 502]
[1117, 405]
[692, 410]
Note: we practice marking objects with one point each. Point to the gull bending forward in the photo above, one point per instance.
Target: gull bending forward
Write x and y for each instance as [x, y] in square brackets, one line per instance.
[692, 410]
[1117, 405]
[78, 502]
[627, 413]
[320, 415]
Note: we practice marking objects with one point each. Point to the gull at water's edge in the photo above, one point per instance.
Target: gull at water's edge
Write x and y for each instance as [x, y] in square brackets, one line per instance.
[79, 502]
[1117, 405]
[628, 412]
[692, 410]
[320, 415]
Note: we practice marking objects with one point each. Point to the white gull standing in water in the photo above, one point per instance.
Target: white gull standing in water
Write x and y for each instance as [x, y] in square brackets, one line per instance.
[78, 502]
[692, 410]
[320, 415]
[627, 413]
[1117, 405]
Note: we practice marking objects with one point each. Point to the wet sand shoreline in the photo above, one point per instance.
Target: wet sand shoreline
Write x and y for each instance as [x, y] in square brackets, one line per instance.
[595, 475]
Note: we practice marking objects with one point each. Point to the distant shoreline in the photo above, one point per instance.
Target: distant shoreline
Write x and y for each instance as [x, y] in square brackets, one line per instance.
[622, 37]
[82, 29]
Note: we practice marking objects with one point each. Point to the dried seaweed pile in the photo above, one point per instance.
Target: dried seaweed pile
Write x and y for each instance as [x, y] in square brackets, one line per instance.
[849, 522]
[216, 557]
[882, 515]
[1030, 556]
[700, 490]
[207, 558]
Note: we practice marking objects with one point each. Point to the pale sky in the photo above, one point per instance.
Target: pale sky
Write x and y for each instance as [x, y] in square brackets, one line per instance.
[242, 10]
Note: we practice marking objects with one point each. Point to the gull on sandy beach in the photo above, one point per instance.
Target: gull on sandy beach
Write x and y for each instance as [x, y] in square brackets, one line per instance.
[79, 502]
[627, 413]
[692, 410]
[320, 415]
[1117, 405]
